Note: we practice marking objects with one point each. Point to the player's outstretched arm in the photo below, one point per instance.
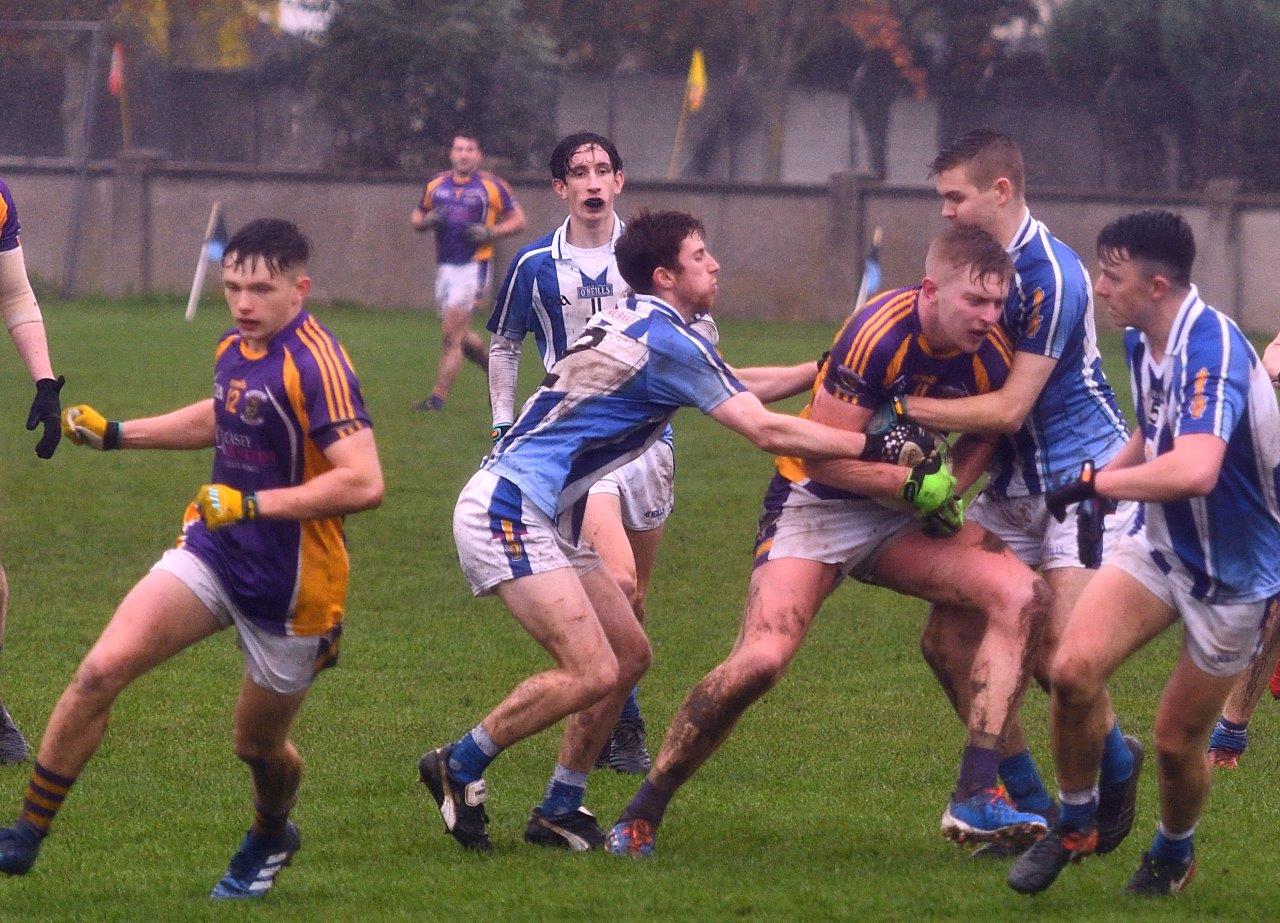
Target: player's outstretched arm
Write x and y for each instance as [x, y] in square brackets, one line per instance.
[996, 412]
[780, 434]
[25, 323]
[1190, 469]
[190, 427]
[354, 483]
[777, 382]
[504, 372]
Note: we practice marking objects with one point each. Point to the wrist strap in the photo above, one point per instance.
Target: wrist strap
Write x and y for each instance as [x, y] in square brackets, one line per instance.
[250, 507]
[113, 435]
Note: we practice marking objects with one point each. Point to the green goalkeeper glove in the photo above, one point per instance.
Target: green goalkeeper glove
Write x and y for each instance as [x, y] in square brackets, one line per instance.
[85, 426]
[499, 430]
[929, 485]
[220, 505]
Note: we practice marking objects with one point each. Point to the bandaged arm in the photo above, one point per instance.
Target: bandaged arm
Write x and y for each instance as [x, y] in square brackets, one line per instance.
[22, 316]
[504, 367]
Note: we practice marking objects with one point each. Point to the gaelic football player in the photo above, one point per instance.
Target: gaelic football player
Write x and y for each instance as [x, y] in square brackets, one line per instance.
[1055, 410]
[554, 287]
[262, 548]
[23, 320]
[826, 520]
[468, 208]
[1204, 463]
[518, 522]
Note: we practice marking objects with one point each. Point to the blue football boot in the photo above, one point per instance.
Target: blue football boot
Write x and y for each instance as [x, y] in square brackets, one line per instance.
[253, 869]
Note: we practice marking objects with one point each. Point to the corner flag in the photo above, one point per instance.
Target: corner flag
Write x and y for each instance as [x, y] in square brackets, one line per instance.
[211, 250]
[871, 274]
[695, 88]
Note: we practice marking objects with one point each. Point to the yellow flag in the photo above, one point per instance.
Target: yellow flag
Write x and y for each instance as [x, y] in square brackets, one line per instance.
[695, 89]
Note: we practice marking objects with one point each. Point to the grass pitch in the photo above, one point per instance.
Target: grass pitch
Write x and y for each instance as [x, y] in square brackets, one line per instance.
[823, 804]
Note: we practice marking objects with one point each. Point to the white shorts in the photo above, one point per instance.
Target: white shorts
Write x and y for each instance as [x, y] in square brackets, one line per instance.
[797, 522]
[1221, 639]
[460, 285]
[502, 536]
[281, 663]
[645, 487]
[1039, 540]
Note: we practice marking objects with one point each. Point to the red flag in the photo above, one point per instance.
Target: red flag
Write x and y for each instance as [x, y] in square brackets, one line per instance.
[115, 76]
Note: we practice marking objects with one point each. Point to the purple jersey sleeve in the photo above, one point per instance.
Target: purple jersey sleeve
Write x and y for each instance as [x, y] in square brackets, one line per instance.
[9, 226]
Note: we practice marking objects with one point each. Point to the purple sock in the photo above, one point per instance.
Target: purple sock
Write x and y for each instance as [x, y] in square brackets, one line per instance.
[650, 803]
[978, 769]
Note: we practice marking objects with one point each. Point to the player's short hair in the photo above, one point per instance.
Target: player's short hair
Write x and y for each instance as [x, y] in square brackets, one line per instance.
[470, 134]
[650, 240]
[564, 149]
[1161, 240]
[962, 247]
[278, 243]
[986, 155]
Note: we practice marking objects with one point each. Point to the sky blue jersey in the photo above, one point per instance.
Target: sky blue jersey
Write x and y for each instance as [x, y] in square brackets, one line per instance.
[608, 399]
[1049, 312]
[1210, 380]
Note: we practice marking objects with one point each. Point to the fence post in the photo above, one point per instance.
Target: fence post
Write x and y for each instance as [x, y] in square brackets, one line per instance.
[847, 236]
[130, 247]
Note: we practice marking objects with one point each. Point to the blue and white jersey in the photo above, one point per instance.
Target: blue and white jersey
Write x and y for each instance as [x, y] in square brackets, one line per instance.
[547, 292]
[608, 399]
[1210, 380]
[1050, 313]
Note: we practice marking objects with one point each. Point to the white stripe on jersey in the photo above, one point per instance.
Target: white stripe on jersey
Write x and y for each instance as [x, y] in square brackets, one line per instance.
[1043, 233]
[506, 305]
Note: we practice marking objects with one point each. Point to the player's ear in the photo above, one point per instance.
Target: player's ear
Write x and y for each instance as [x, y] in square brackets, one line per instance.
[663, 278]
[619, 179]
[302, 285]
[929, 288]
[561, 188]
[1004, 190]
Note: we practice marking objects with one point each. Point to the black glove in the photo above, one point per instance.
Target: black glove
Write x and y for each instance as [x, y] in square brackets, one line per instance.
[478, 235]
[902, 444]
[1083, 487]
[433, 220]
[47, 409]
[1091, 518]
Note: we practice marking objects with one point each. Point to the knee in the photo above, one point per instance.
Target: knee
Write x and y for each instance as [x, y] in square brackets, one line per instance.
[634, 663]
[931, 645]
[625, 577]
[1174, 743]
[450, 341]
[756, 671]
[600, 679]
[98, 681]
[1022, 608]
[1073, 680]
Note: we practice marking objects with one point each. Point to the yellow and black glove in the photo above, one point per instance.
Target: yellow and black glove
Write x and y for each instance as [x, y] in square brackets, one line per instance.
[85, 426]
[221, 506]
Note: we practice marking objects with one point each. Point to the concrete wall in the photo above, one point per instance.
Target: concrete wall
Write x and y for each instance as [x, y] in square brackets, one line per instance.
[787, 252]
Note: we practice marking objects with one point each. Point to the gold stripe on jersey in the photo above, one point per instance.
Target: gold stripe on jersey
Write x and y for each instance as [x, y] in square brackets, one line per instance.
[981, 380]
[323, 565]
[895, 364]
[4, 211]
[432, 186]
[342, 388]
[876, 327]
[1000, 339]
[337, 394]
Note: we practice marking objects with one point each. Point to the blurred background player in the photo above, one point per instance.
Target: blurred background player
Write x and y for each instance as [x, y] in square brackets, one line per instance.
[825, 520]
[1055, 410]
[23, 320]
[1204, 462]
[468, 208]
[553, 288]
[294, 453]
[518, 521]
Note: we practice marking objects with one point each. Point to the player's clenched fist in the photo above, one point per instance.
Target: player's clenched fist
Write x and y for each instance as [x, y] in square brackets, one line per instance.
[85, 426]
[221, 505]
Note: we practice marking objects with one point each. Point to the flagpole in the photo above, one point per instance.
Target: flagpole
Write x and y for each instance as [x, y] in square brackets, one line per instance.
[863, 293]
[675, 149]
[202, 263]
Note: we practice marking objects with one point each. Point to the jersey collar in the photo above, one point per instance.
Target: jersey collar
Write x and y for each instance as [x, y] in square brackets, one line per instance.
[1026, 230]
[1188, 311]
[561, 237]
[657, 304]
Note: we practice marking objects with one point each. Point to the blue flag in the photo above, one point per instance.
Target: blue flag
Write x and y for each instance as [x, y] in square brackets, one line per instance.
[871, 274]
[216, 243]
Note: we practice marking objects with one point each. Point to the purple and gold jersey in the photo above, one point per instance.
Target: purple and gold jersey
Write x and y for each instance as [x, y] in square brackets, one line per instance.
[482, 199]
[9, 226]
[276, 412]
[881, 353]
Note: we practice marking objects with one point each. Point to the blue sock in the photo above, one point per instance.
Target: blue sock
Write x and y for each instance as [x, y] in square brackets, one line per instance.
[1117, 759]
[631, 707]
[565, 791]
[1170, 849]
[1080, 815]
[472, 755]
[1022, 780]
[1229, 736]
